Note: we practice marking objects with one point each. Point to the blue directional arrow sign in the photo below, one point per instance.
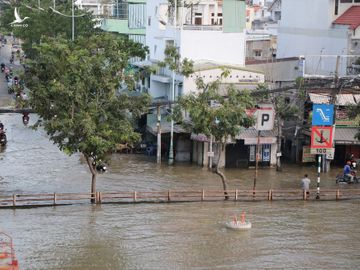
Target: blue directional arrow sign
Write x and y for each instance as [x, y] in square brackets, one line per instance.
[323, 115]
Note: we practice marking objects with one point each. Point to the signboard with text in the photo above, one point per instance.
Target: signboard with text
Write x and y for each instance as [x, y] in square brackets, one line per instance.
[306, 155]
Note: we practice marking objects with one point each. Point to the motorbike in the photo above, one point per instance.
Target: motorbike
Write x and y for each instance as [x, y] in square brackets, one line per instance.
[10, 90]
[101, 168]
[341, 178]
[25, 118]
[7, 77]
[3, 139]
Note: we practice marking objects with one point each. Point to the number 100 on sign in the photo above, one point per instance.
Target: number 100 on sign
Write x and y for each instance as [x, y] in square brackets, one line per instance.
[320, 151]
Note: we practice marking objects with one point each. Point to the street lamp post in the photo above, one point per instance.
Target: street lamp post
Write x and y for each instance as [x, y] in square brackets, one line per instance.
[72, 21]
[72, 17]
[171, 150]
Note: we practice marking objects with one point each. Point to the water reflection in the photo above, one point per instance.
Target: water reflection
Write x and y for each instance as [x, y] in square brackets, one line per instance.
[291, 235]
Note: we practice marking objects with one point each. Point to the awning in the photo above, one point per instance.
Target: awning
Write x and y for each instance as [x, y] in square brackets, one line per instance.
[144, 63]
[341, 99]
[345, 99]
[252, 133]
[346, 136]
[165, 128]
[350, 17]
[319, 98]
[199, 137]
[248, 135]
[357, 98]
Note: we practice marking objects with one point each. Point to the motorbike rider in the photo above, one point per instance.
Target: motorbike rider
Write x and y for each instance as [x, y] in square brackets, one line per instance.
[347, 171]
[1, 127]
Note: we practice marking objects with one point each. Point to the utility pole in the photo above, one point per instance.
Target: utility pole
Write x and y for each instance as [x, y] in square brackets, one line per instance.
[158, 126]
[211, 154]
[257, 150]
[72, 20]
[334, 92]
[171, 150]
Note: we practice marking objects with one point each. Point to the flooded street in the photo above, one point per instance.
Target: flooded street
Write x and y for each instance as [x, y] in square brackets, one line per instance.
[285, 235]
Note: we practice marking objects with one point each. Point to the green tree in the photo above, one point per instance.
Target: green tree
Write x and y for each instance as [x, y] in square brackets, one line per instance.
[222, 116]
[74, 89]
[44, 22]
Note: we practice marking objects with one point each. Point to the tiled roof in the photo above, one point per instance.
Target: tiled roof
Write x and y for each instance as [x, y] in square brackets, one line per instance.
[319, 98]
[252, 133]
[341, 99]
[350, 17]
[346, 136]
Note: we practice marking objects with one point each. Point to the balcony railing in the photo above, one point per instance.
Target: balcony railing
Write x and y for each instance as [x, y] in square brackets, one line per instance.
[202, 27]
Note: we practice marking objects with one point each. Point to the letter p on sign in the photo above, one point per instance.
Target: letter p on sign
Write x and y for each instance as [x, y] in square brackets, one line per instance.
[265, 119]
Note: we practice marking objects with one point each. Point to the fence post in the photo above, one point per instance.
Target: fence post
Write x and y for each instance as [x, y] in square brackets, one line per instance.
[236, 194]
[270, 195]
[337, 194]
[100, 197]
[14, 199]
[54, 198]
[203, 195]
[135, 196]
[168, 195]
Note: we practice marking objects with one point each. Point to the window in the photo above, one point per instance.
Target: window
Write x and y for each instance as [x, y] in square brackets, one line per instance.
[336, 7]
[198, 18]
[121, 10]
[346, 1]
[137, 16]
[218, 20]
[149, 21]
[169, 42]
[257, 53]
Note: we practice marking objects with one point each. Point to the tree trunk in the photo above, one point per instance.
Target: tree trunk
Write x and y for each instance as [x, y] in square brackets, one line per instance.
[279, 136]
[221, 174]
[93, 177]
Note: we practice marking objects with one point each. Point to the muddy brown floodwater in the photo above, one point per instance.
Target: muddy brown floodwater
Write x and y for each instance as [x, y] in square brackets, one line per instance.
[285, 234]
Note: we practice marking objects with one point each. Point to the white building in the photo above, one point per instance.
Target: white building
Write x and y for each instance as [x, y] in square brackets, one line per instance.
[240, 152]
[205, 30]
[322, 27]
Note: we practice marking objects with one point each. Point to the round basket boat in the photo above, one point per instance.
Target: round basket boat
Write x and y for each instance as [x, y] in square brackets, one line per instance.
[238, 225]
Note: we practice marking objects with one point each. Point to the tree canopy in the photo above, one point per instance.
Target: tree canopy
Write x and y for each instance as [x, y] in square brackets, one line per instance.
[74, 89]
[43, 22]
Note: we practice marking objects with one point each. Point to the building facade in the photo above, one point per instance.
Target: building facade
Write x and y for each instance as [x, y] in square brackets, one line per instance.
[328, 28]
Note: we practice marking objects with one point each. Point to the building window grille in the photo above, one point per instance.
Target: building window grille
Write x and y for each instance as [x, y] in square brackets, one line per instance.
[218, 21]
[257, 53]
[120, 10]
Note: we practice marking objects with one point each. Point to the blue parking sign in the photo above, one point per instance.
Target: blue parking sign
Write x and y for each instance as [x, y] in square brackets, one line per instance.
[323, 115]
